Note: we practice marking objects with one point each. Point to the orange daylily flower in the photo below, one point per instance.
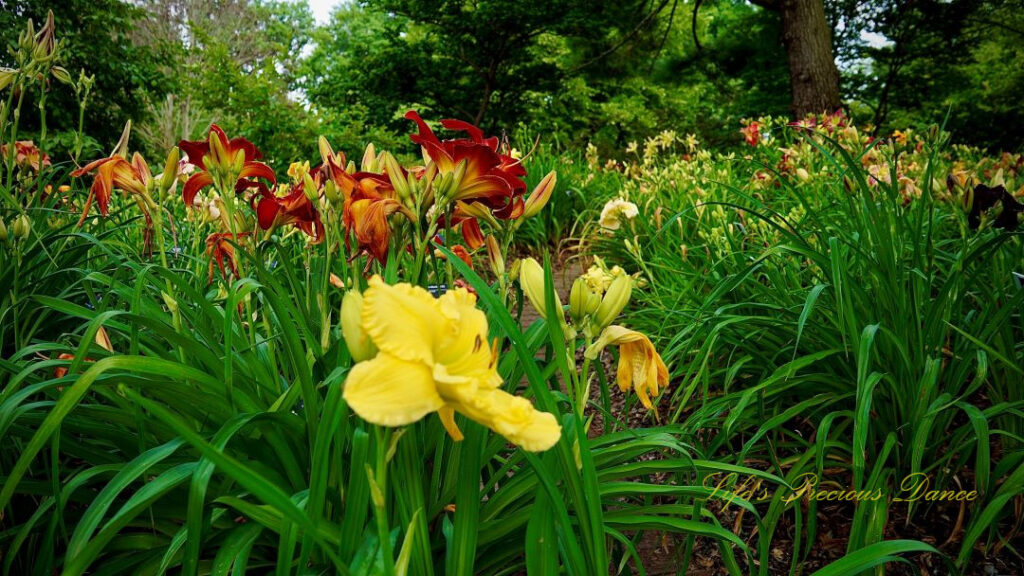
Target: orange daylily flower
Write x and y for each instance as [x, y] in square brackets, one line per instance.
[222, 155]
[751, 133]
[115, 172]
[26, 153]
[368, 219]
[369, 201]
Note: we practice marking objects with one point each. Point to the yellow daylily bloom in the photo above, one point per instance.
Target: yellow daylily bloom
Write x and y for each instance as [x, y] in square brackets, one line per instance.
[434, 357]
[640, 366]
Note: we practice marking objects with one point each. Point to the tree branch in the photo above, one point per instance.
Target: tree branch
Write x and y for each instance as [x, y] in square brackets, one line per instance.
[625, 38]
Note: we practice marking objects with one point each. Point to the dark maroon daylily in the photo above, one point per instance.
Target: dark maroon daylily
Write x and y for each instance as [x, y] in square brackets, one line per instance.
[491, 176]
[295, 208]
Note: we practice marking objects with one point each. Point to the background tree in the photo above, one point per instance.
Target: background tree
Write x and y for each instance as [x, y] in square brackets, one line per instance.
[964, 57]
[96, 36]
[813, 75]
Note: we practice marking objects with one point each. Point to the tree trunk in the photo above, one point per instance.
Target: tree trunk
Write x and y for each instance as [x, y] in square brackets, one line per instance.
[813, 75]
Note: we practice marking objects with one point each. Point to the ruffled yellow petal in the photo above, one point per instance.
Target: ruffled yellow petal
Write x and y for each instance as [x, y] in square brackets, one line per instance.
[403, 320]
[390, 391]
[514, 418]
[464, 352]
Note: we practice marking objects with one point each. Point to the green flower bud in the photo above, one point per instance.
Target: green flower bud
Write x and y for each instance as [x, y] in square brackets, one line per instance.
[332, 193]
[3, 231]
[170, 176]
[62, 75]
[583, 301]
[358, 341]
[21, 227]
[531, 279]
[7, 76]
[397, 176]
[540, 195]
[615, 299]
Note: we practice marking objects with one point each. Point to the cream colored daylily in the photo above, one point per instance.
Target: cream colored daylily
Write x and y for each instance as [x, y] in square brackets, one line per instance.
[640, 366]
[434, 357]
[615, 211]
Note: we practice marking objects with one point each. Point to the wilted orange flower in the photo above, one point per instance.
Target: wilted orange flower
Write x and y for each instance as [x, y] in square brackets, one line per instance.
[222, 252]
[236, 159]
[367, 218]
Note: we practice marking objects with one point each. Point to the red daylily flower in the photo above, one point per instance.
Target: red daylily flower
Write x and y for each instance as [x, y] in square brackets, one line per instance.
[751, 133]
[806, 123]
[491, 177]
[222, 154]
[295, 208]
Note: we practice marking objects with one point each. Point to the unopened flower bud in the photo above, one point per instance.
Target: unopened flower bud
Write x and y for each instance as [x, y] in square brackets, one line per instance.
[540, 195]
[62, 75]
[169, 179]
[369, 163]
[615, 299]
[121, 149]
[44, 40]
[358, 341]
[460, 173]
[310, 188]
[21, 227]
[479, 211]
[332, 193]
[170, 302]
[3, 231]
[6, 77]
[326, 152]
[376, 493]
[531, 279]
[582, 301]
[494, 255]
[396, 175]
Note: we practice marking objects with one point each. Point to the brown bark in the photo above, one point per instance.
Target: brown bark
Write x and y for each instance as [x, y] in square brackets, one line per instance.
[813, 75]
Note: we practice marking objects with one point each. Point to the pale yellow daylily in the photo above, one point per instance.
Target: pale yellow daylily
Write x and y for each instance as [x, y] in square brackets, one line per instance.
[434, 356]
[640, 366]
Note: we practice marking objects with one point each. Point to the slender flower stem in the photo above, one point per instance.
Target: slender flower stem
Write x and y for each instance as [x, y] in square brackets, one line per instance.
[380, 477]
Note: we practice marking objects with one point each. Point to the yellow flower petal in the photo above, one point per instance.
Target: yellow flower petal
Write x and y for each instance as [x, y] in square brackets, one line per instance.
[402, 320]
[514, 418]
[390, 391]
[640, 366]
[447, 415]
[463, 348]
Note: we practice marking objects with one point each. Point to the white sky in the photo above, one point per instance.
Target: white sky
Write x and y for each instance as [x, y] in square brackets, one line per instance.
[322, 9]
